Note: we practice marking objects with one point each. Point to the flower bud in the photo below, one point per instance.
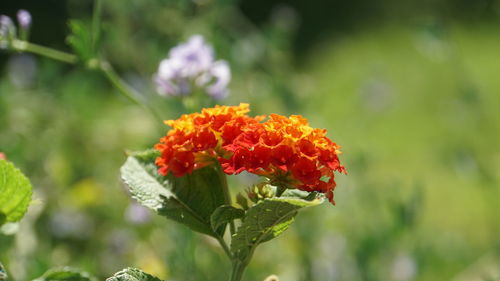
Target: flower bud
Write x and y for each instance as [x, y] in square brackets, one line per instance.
[7, 31]
[260, 192]
[24, 19]
[5, 23]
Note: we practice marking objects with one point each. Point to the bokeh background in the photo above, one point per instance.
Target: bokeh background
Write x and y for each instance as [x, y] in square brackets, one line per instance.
[410, 89]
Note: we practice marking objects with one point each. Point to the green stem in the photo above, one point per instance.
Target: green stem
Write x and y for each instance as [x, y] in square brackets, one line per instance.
[238, 269]
[105, 67]
[225, 247]
[118, 82]
[227, 197]
[124, 88]
[24, 46]
[96, 23]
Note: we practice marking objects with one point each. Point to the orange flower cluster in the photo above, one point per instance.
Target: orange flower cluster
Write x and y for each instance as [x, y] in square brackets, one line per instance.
[287, 151]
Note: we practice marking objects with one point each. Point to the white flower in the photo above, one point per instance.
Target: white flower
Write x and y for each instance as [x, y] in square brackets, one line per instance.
[192, 64]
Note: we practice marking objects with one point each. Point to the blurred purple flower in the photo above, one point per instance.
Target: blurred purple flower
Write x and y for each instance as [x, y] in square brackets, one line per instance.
[68, 223]
[7, 31]
[404, 268]
[22, 70]
[193, 57]
[137, 214]
[5, 23]
[120, 241]
[24, 19]
[221, 75]
[192, 64]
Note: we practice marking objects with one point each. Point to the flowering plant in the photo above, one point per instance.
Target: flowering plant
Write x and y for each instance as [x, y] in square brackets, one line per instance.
[184, 176]
[8, 32]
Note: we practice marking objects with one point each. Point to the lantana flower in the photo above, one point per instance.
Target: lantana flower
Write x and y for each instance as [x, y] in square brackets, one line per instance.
[192, 65]
[285, 150]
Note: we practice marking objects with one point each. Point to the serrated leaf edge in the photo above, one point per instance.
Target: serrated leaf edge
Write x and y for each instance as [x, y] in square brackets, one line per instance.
[254, 245]
[126, 271]
[167, 195]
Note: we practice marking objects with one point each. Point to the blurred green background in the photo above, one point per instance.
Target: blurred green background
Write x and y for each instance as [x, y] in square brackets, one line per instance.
[410, 90]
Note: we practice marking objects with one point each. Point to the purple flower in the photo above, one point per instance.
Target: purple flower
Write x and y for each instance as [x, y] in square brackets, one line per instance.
[7, 31]
[193, 57]
[137, 214]
[5, 23]
[192, 64]
[24, 19]
[221, 75]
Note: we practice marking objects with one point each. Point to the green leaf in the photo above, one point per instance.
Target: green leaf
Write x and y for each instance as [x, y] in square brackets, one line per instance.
[65, 274]
[144, 186]
[10, 228]
[150, 190]
[15, 193]
[242, 201]
[296, 193]
[223, 215]
[201, 192]
[81, 40]
[145, 156]
[265, 221]
[3, 273]
[190, 199]
[132, 274]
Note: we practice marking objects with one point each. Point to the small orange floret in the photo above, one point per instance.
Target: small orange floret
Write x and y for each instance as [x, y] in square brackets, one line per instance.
[286, 150]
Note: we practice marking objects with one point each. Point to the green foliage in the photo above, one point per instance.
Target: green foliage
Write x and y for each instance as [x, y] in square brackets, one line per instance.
[81, 40]
[242, 201]
[190, 200]
[265, 221]
[15, 193]
[65, 274]
[132, 274]
[144, 185]
[224, 215]
[146, 156]
[202, 191]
